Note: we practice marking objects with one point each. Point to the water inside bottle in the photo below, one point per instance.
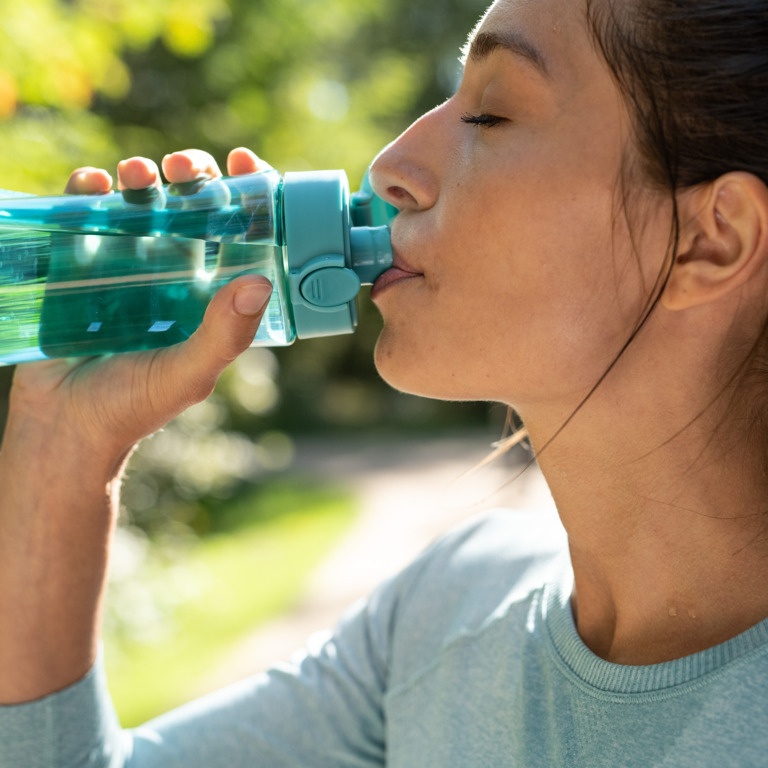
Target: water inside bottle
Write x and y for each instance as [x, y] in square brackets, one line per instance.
[65, 295]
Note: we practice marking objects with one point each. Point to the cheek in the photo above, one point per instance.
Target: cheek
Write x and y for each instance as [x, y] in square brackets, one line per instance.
[590, 304]
[518, 310]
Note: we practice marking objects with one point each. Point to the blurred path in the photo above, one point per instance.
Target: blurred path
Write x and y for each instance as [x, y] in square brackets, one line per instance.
[410, 492]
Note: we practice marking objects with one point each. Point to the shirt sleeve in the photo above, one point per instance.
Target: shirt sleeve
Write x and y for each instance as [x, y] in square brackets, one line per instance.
[325, 708]
[76, 726]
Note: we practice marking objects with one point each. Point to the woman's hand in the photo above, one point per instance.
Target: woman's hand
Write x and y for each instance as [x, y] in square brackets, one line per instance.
[108, 404]
[70, 427]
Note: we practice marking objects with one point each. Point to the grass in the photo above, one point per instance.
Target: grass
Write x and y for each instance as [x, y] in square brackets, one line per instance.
[235, 580]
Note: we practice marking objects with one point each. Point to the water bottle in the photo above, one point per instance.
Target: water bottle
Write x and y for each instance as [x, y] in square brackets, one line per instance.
[131, 270]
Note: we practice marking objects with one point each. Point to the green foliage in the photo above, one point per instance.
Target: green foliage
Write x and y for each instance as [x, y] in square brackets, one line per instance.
[306, 83]
[182, 606]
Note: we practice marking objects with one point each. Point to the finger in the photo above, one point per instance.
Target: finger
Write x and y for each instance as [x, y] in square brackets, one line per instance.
[88, 181]
[189, 165]
[241, 160]
[228, 329]
[137, 173]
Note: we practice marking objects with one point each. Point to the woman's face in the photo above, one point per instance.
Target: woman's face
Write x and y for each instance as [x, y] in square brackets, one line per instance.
[525, 283]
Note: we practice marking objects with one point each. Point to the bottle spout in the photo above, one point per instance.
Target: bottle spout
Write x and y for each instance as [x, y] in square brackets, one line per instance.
[371, 252]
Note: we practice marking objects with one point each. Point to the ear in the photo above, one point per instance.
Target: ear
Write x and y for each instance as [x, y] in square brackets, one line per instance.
[723, 239]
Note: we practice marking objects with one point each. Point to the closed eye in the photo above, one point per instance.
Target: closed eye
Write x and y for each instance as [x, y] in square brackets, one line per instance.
[483, 120]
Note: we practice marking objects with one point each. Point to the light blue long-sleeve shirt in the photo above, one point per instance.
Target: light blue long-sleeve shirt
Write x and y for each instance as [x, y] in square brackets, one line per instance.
[469, 658]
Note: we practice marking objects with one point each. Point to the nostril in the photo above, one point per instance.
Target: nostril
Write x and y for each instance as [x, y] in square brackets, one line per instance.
[400, 197]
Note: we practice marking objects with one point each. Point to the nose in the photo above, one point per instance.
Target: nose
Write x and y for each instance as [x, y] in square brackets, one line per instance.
[405, 172]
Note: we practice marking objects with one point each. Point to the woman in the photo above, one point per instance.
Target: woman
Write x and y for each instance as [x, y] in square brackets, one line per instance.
[583, 235]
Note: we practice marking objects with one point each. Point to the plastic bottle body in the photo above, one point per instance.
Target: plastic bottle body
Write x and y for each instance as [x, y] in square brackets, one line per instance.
[64, 295]
[75, 281]
[97, 274]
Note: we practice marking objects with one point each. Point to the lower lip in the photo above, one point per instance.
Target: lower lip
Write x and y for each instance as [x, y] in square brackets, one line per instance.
[390, 277]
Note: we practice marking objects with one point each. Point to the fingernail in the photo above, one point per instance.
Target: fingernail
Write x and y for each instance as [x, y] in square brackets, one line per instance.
[251, 299]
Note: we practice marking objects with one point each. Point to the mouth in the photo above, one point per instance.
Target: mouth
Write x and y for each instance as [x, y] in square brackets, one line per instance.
[396, 274]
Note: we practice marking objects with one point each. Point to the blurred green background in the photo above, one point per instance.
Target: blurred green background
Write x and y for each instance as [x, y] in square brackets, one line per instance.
[308, 84]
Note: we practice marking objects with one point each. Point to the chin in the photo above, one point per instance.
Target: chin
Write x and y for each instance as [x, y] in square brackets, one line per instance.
[402, 370]
[414, 374]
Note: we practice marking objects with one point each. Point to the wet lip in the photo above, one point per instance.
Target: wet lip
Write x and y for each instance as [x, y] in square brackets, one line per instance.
[395, 274]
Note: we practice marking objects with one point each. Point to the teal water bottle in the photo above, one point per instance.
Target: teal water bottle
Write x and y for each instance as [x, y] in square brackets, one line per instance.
[131, 270]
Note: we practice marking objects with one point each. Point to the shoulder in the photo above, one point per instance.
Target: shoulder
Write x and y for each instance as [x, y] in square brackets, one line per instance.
[483, 572]
[488, 557]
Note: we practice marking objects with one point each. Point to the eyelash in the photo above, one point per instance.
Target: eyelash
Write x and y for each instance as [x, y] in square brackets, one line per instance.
[482, 121]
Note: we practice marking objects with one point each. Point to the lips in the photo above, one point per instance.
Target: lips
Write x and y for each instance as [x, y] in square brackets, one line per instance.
[398, 272]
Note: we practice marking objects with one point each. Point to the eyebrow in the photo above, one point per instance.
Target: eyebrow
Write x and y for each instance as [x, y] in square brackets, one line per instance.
[484, 44]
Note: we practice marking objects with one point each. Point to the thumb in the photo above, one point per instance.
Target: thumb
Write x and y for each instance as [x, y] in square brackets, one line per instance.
[228, 329]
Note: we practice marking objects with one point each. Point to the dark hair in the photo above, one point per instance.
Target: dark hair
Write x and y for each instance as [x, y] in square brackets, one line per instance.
[695, 75]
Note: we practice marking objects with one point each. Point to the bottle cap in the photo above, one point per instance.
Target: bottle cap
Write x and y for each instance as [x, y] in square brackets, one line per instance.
[327, 258]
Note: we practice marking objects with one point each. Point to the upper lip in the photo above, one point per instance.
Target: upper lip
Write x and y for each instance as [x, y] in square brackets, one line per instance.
[399, 263]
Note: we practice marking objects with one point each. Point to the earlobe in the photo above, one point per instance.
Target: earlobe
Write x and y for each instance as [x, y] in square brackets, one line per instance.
[723, 240]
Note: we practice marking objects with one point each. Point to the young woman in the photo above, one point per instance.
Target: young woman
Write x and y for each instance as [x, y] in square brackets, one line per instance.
[583, 235]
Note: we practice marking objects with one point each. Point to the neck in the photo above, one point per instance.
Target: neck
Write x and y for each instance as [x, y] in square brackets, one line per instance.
[665, 524]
